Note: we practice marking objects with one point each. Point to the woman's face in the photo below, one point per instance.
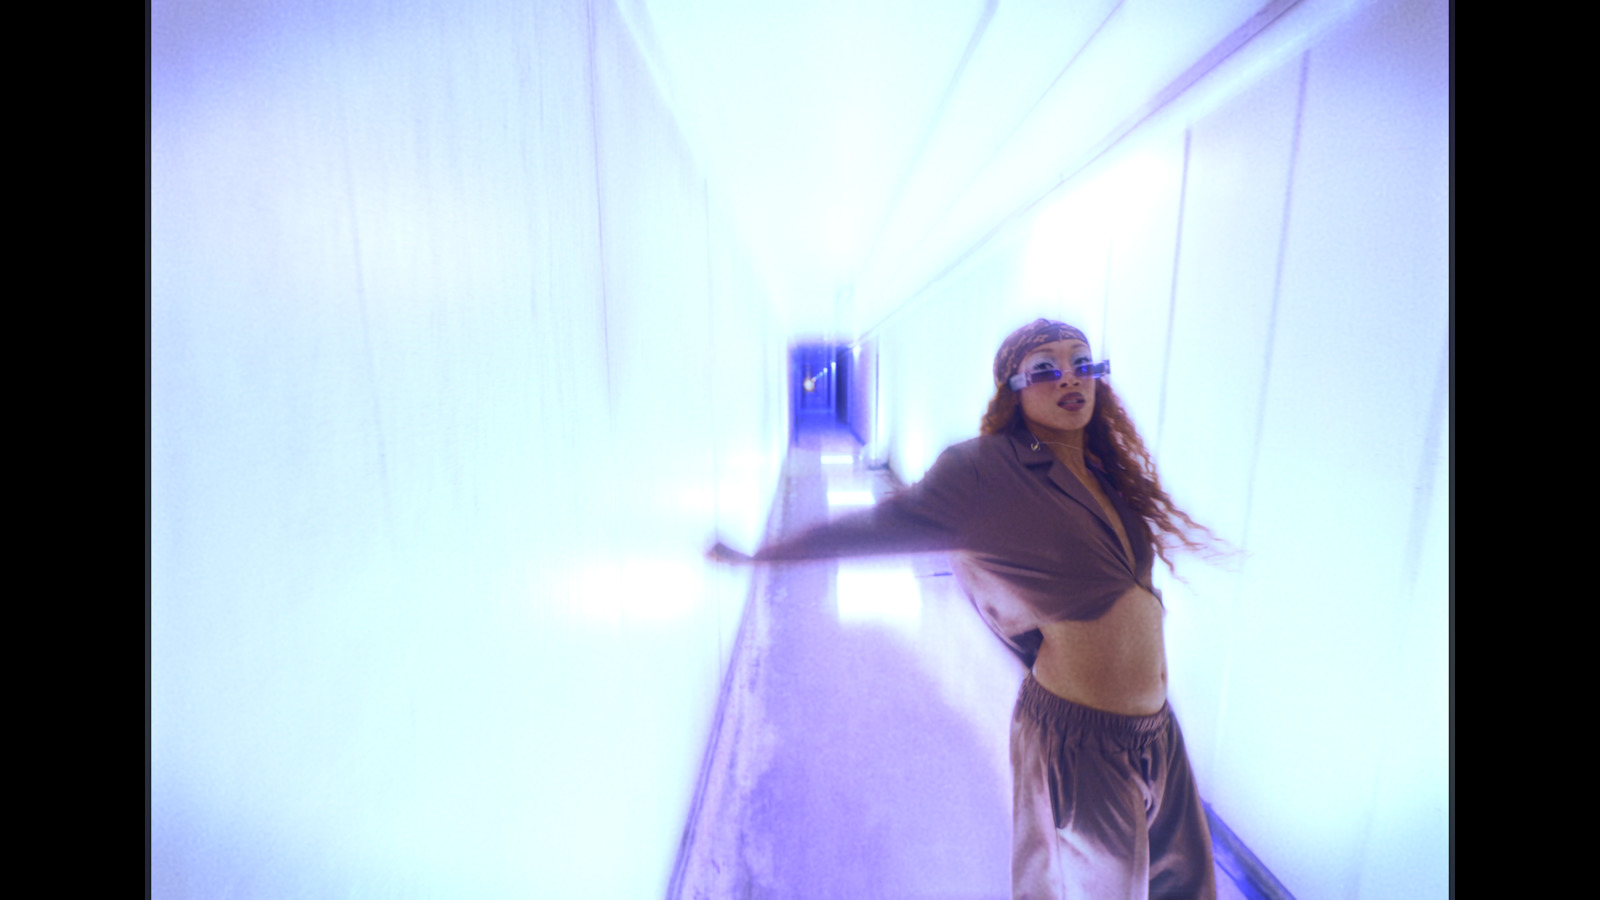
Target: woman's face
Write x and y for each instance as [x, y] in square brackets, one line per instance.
[1065, 403]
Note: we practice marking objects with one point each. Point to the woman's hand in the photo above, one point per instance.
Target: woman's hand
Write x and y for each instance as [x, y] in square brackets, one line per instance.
[722, 553]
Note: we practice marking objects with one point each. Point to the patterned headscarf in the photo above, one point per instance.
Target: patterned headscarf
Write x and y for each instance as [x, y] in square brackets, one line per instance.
[1024, 340]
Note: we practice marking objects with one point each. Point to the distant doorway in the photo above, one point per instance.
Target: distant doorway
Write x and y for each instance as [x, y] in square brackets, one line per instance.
[816, 387]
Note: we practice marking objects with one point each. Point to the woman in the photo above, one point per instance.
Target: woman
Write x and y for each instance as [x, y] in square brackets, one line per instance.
[1056, 515]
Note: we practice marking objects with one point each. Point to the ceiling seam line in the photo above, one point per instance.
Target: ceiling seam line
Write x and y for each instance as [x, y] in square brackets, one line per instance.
[978, 33]
[1213, 58]
[1017, 126]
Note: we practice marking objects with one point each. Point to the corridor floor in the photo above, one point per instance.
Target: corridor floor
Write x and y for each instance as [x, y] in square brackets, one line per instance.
[861, 751]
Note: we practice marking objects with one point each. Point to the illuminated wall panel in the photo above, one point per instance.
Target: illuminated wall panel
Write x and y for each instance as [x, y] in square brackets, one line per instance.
[456, 368]
[1348, 459]
[1234, 207]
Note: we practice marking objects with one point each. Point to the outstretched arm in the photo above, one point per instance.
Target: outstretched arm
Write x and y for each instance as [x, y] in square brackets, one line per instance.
[931, 515]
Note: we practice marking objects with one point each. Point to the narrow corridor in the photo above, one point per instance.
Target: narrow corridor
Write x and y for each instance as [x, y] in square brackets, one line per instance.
[471, 326]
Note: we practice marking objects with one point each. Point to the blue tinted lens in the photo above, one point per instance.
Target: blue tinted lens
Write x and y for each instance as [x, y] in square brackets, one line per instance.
[1022, 380]
[1038, 376]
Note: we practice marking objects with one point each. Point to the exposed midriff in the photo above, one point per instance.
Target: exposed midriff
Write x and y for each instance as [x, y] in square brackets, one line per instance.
[1116, 663]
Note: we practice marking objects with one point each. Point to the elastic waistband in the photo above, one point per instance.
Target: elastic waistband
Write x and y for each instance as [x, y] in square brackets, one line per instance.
[1037, 702]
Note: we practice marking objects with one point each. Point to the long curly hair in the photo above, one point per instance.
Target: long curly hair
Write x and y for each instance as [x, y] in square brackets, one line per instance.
[1111, 442]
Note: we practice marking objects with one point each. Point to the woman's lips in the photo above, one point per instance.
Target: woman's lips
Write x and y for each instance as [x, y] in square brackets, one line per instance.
[1071, 402]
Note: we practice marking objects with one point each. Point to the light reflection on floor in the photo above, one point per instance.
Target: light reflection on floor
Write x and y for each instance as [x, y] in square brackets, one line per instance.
[848, 498]
[882, 592]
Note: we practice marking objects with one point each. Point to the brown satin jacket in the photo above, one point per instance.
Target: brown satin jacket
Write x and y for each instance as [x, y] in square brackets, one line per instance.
[1029, 543]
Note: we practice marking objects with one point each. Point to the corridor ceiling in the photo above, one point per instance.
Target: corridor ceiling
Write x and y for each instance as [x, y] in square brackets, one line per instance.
[862, 147]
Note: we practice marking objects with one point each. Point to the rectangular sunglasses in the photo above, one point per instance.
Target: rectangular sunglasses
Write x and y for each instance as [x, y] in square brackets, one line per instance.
[1087, 370]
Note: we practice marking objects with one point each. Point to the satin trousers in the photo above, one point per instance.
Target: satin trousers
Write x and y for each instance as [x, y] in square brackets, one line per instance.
[1106, 806]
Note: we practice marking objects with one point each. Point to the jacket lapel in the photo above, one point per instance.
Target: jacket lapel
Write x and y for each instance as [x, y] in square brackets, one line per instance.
[1031, 454]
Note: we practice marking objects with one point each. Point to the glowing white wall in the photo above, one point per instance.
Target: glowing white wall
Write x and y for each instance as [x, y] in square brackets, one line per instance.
[1267, 269]
[455, 369]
